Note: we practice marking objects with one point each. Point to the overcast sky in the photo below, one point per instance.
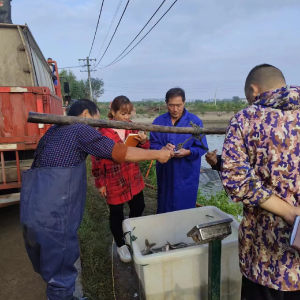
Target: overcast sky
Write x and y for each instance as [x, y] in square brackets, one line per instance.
[198, 45]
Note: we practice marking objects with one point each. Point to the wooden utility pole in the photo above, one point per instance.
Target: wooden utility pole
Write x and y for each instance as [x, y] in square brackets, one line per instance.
[34, 117]
[88, 60]
[216, 96]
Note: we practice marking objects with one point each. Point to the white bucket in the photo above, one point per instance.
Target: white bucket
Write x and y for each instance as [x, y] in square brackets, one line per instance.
[182, 273]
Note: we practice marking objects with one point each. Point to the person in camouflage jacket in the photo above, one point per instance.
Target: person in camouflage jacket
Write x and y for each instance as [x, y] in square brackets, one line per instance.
[261, 169]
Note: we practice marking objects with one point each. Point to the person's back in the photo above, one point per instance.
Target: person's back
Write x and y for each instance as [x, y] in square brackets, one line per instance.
[260, 167]
[69, 145]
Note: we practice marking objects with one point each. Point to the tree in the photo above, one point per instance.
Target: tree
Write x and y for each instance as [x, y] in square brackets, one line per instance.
[236, 99]
[79, 89]
[97, 88]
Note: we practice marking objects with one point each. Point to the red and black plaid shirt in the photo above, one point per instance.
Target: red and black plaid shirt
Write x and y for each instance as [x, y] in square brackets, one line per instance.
[122, 181]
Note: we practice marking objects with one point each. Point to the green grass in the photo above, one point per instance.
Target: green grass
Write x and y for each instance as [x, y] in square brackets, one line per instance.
[151, 108]
[220, 200]
[95, 241]
[144, 166]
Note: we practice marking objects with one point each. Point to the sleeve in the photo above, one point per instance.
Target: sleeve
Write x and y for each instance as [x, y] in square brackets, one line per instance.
[154, 140]
[198, 148]
[145, 146]
[98, 171]
[239, 178]
[218, 166]
[93, 142]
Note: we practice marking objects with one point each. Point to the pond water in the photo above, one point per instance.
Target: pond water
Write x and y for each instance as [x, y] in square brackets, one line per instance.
[210, 181]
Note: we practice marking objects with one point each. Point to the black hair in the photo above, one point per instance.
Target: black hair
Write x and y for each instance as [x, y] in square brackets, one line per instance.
[119, 103]
[175, 92]
[265, 75]
[79, 106]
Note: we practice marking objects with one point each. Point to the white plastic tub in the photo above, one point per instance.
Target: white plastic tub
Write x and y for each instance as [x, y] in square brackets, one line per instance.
[183, 273]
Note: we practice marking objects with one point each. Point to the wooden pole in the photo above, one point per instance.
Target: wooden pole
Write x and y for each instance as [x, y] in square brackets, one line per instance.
[34, 117]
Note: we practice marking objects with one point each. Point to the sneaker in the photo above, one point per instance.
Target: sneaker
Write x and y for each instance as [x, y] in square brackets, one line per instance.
[124, 254]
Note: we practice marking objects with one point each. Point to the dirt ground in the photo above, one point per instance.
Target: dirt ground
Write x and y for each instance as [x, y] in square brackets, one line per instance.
[18, 281]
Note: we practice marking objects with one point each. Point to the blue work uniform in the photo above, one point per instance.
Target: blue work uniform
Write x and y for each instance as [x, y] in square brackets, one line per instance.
[178, 179]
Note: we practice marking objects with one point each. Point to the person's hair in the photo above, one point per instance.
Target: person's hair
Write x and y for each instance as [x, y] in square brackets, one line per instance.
[120, 103]
[175, 92]
[79, 106]
[266, 76]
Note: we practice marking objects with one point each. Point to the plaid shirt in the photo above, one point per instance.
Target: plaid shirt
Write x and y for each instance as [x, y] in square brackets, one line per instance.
[68, 146]
[122, 181]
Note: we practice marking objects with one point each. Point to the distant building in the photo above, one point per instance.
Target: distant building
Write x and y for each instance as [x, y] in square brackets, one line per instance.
[244, 100]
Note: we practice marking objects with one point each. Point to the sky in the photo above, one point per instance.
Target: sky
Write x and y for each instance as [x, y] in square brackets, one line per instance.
[201, 46]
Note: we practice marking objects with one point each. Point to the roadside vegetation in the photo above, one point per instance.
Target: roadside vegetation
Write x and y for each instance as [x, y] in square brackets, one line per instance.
[151, 109]
[220, 200]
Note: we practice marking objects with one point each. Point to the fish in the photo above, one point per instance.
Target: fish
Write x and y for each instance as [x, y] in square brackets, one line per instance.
[168, 247]
[178, 246]
[148, 250]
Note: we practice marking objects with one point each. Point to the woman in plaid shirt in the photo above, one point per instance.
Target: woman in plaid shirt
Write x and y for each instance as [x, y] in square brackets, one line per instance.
[120, 183]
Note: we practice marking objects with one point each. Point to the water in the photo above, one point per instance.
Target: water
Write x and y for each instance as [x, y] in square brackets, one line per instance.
[210, 182]
[214, 142]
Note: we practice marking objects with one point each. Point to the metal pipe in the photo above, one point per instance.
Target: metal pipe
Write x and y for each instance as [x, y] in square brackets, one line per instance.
[3, 168]
[34, 117]
[18, 166]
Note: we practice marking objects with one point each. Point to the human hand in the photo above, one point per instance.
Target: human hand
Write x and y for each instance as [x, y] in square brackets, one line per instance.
[290, 217]
[102, 191]
[211, 158]
[182, 153]
[142, 138]
[169, 146]
[164, 155]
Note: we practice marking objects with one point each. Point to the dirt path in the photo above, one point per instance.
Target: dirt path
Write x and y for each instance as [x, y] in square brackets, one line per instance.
[18, 281]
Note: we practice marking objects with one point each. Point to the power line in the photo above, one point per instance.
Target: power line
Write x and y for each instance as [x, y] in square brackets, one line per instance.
[70, 67]
[114, 33]
[110, 26]
[141, 30]
[96, 27]
[112, 63]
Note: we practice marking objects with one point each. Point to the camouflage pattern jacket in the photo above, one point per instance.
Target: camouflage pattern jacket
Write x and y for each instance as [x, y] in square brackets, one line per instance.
[261, 157]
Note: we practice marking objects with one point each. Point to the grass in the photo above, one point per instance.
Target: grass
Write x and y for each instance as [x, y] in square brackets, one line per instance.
[96, 240]
[220, 200]
[144, 166]
[152, 109]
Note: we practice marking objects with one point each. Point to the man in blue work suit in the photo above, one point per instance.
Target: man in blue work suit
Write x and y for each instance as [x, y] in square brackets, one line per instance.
[53, 195]
[177, 180]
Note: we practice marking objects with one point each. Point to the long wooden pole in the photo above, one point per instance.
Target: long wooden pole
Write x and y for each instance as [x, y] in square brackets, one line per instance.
[34, 117]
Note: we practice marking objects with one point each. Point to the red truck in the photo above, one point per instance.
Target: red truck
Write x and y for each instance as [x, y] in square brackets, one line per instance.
[26, 84]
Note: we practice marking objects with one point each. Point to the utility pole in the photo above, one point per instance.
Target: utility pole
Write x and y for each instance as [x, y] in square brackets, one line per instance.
[88, 60]
[216, 96]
